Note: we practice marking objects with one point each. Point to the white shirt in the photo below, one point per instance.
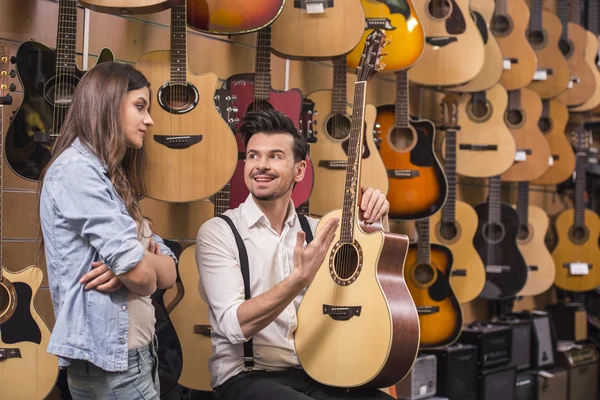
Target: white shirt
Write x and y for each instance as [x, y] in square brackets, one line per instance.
[270, 256]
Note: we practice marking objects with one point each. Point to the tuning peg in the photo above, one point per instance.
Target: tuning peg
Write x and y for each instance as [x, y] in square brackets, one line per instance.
[12, 87]
[387, 41]
[13, 73]
[13, 60]
[315, 122]
[381, 66]
[234, 109]
[233, 97]
[217, 97]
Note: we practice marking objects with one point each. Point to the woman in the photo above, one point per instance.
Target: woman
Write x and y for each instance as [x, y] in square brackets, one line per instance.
[100, 273]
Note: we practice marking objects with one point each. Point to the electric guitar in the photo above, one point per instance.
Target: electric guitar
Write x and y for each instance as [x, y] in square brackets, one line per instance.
[49, 78]
[360, 284]
[128, 7]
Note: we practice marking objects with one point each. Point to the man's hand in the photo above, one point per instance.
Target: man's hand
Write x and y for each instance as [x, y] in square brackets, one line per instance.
[374, 205]
[307, 260]
[101, 278]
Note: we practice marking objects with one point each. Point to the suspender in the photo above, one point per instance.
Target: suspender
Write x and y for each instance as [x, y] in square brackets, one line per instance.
[245, 267]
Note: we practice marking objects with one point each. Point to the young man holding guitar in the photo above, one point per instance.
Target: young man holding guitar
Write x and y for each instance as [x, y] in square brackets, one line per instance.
[254, 354]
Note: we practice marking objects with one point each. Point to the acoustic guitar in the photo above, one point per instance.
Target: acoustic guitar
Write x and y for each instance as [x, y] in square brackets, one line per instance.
[552, 74]
[496, 242]
[427, 271]
[27, 370]
[532, 156]
[360, 285]
[455, 226]
[454, 51]
[49, 78]
[328, 154]
[509, 25]
[128, 7]
[485, 146]
[402, 26]
[189, 137]
[576, 255]
[232, 17]
[317, 28]
[418, 186]
[533, 224]
[553, 124]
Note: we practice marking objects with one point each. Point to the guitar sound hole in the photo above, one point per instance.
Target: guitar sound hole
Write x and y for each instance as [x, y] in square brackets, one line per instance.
[424, 274]
[493, 233]
[479, 111]
[448, 230]
[4, 300]
[338, 127]
[578, 234]
[178, 98]
[515, 117]
[524, 232]
[501, 25]
[346, 261]
[439, 8]
[536, 38]
[545, 124]
[402, 138]
[566, 47]
[59, 90]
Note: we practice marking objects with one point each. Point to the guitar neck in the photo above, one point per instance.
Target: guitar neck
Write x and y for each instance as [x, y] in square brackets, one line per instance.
[562, 10]
[494, 200]
[580, 184]
[576, 12]
[514, 100]
[401, 108]
[262, 76]
[535, 21]
[66, 37]
[501, 7]
[593, 16]
[221, 200]
[339, 86]
[523, 203]
[179, 43]
[449, 210]
[423, 244]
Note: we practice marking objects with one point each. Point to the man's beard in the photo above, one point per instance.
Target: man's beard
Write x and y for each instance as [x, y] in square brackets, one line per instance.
[274, 195]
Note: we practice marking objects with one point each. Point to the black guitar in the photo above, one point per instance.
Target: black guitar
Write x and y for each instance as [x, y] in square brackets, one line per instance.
[496, 243]
[49, 78]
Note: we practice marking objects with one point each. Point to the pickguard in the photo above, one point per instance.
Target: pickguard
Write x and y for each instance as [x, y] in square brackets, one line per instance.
[21, 327]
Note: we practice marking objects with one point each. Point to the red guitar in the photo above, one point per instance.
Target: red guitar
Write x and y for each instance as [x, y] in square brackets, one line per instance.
[252, 92]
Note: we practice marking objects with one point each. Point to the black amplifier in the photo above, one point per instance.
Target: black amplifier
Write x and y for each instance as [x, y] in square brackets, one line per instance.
[493, 341]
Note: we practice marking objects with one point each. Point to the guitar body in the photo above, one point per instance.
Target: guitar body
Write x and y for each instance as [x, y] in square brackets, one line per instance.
[539, 261]
[571, 248]
[468, 277]
[177, 173]
[126, 7]
[196, 347]
[430, 287]
[395, 18]
[328, 189]
[510, 32]
[289, 103]
[36, 67]
[299, 34]
[385, 354]
[424, 192]
[497, 246]
[523, 124]
[230, 17]
[33, 373]
[591, 51]
[549, 57]
[583, 89]
[563, 157]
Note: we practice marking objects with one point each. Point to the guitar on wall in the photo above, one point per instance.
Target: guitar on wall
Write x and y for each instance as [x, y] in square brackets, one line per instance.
[128, 7]
[27, 370]
[329, 153]
[455, 226]
[49, 78]
[418, 186]
[189, 137]
[577, 256]
[402, 26]
[253, 92]
[360, 284]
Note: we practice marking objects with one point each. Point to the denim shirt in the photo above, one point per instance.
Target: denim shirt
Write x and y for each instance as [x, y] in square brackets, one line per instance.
[84, 220]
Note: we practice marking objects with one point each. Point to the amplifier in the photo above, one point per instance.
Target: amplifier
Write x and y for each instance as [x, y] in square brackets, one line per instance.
[581, 362]
[525, 385]
[570, 321]
[543, 344]
[521, 341]
[552, 384]
[420, 381]
[497, 384]
[456, 371]
[493, 341]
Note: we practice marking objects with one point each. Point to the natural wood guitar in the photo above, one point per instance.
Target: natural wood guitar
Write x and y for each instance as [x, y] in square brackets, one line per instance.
[454, 51]
[317, 28]
[128, 7]
[403, 28]
[328, 153]
[577, 256]
[360, 285]
[189, 137]
[532, 156]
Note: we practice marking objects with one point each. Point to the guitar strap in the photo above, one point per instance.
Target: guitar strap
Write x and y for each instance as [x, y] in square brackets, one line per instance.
[245, 267]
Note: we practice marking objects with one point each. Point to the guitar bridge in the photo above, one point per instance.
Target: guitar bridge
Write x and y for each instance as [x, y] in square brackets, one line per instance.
[303, 3]
[428, 310]
[379, 23]
[403, 173]
[6, 353]
[496, 269]
[440, 41]
[203, 330]
[178, 142]
[41, 137]
[479, 147]
[337, 165]
[459, 272]
[341, 313]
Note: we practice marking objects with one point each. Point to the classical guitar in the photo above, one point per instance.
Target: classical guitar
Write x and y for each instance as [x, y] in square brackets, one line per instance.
[252, 92]
[401, 24]
[329, 153]
[360, 285]
[485, 146]
[533, 224]
[553, 124]
[189, 137]
[552, 74]
[230, 17]
[417, 183]
[49, 77]
[27, 370]
[496, 243]
[455, 226]
[317, 28]
[128, 7]
[509, 24]
[454, 51]
[577, 256]
[532, 156]
[573, 42]
[427, 272]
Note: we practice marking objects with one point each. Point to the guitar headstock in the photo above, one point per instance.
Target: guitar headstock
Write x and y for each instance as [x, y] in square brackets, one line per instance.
[306, 120]
[370, 59]
[582, 138]
[5, 75]
[449, 112]
[224, 104]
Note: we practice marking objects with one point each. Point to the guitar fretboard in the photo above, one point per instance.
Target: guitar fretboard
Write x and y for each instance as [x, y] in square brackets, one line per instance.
[562, 10]
[339, 86]
[449, 210]
[401, 108]
[593, 16]
[262, 76]
[494, 200]
[66, 37]
[580, 179]
[535, 21]
[576, 12]
[523, 203]
[423, 244]
[179, 43]
[221, 200]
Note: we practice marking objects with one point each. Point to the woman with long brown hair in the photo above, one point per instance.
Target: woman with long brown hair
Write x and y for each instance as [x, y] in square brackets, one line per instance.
[103, 261]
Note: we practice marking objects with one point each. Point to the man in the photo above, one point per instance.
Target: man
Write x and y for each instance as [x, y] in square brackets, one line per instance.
[281, 267]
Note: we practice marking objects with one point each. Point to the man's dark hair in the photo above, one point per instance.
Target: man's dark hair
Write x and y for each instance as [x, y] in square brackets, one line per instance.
[273, 122]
